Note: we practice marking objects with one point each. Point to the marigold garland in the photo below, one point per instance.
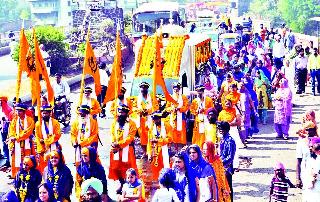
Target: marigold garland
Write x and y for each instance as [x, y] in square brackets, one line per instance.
[144, 37]
[173, 56]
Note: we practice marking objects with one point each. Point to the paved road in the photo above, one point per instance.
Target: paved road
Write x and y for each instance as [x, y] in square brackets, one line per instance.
[251, 183]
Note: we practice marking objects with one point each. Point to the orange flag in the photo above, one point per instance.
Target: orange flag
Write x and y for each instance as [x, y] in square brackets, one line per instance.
[43, 70]
[34, 77]
[157, 73]
[115, 82]
[91, 67]
[23, 63]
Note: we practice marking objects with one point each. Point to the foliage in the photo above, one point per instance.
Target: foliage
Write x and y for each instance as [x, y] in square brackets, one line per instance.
[295, 13]
[106, 33]
[25, 14]
[53, 40]
[265, 10]
[81, 49]
[12, 10]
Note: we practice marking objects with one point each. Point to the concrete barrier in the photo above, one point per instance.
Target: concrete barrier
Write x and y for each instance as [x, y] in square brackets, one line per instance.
[5, 51]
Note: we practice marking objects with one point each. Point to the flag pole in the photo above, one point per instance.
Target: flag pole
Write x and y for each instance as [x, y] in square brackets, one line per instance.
[19, 74]
[117, 63]
[38, 87]
[84, 64]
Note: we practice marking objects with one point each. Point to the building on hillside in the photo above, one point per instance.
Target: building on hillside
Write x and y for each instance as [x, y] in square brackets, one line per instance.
[52, 12]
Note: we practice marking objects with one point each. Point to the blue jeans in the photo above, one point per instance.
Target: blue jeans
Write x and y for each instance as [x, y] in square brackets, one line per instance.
[5, 147]
[315, 74]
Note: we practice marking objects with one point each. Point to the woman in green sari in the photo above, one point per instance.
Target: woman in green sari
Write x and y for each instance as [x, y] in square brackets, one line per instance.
[261, 86]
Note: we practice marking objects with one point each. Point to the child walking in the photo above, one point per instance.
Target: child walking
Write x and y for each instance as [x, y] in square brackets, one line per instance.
[280, 184]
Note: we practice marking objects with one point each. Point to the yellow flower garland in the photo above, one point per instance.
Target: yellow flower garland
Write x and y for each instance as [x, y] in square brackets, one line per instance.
[144, 37]
[23, 189]
[172, 56]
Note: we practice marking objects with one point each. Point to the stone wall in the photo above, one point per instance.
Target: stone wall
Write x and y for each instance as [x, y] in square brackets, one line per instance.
[77, 17]
[97, 16]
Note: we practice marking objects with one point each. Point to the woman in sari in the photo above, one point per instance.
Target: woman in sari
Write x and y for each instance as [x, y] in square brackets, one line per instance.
[185, 186]
[283, 109]
[205, 174]
[229, 114]
[225, 87]
[90, 167]
[249, 84]
[58, 176]
[209, 90]
[211, 156]
[261, 85]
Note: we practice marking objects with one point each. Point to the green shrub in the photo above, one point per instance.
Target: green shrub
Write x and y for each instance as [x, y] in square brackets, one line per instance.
[53, 40]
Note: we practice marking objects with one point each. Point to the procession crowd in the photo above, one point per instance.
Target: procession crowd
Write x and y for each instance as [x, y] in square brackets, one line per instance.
[236, 89]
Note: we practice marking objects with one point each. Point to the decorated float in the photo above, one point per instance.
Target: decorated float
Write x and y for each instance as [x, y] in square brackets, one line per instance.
[182, 58]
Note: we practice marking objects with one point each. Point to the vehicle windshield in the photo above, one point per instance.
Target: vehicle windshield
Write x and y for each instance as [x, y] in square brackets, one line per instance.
[228, 41]
[150, 21]
[148, 16]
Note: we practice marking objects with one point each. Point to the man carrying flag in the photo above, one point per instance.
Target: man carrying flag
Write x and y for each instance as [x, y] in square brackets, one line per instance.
[198, 108]
[143, 110]
[122, 155]
[47, 136]
[84, 132]
[178, 115]
[20, 142]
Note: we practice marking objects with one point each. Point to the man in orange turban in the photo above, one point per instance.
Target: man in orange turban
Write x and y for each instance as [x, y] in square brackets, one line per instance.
[198, 108]
[84, 131]
[47, 136]
[20, 142]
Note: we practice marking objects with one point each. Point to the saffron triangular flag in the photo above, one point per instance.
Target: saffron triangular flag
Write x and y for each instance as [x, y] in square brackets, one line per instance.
[115, 82]
[157, 73]
[23, 63]
[90, 66]
[43, 71]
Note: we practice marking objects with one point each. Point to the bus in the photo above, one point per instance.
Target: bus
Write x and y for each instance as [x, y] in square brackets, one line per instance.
[148, 17]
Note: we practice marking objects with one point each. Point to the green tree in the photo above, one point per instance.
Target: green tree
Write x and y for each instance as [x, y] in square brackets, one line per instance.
[296, 12]
[53, 40]
[25, 14]
[265, 10]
